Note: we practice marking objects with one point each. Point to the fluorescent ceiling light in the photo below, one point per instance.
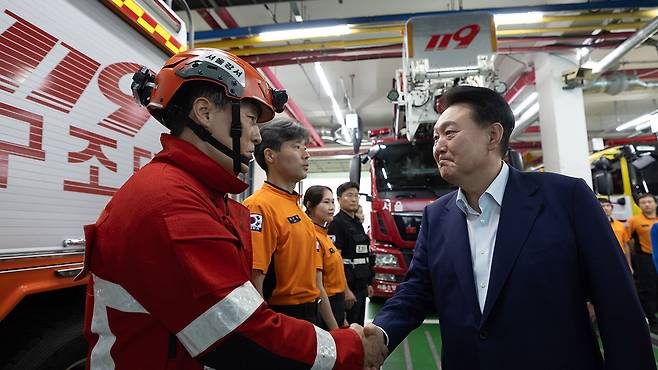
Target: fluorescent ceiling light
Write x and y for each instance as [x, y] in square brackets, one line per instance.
[525, 104]
[323, 79]
[652, 120]
[534, 109]
[305, 33]
[338, 114]
[582, 53]
[327, 90]
[518, 18]
[635, 122]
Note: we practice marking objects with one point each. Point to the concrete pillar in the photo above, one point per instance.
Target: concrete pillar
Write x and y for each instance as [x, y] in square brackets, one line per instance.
[562, 119]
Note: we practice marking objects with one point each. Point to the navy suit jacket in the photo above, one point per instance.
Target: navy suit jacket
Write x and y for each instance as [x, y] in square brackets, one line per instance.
[554, 249]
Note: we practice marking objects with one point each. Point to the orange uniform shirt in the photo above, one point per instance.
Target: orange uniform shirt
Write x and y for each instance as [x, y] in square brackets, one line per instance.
[621, 233]
[333, 272]
[282, 233]
[638, 231]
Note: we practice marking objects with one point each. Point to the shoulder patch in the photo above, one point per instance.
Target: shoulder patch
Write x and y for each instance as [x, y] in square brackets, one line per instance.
[256, 222]
[333, 238]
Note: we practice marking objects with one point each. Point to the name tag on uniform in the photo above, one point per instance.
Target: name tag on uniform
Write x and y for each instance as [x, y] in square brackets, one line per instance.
[294, 219]
[362, 248]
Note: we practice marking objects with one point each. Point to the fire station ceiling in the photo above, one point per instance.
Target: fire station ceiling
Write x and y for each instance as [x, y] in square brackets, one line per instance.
[360, 66]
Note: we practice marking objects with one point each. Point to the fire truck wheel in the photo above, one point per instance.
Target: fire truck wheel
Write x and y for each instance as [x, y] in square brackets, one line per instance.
[60, 346]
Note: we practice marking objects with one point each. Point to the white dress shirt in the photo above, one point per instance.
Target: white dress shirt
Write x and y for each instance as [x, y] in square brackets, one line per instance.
[482, 227]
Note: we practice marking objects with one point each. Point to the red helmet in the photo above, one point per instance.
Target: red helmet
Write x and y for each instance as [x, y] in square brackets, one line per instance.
[238, 78]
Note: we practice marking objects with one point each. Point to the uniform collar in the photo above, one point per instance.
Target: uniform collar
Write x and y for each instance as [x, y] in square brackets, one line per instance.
[294, 196]
[496, 190]
[205, 169]
[346, 215]
[320, 229]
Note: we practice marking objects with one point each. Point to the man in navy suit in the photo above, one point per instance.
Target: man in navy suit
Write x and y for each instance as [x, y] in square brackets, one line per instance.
[510, 259]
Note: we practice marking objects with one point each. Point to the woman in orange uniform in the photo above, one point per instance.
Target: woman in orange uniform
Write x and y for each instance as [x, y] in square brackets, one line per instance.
[319, 203]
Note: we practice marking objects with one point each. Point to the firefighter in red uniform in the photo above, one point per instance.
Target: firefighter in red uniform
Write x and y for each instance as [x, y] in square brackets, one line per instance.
[170, 255]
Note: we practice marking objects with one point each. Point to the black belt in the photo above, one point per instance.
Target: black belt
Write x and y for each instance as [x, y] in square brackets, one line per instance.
[304, 311]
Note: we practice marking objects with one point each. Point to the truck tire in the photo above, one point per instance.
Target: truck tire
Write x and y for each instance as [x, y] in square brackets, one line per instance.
[59, 346]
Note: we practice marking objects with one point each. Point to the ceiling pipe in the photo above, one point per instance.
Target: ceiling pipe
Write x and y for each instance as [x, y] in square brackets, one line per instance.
[522, 125]
[525, 145]
[601, 36]
[277, 58]
[630, 140]
[398, 40]
[525, 79]
[264, 58]
[309, 46]
[296, 50]
[556, 47]
[365, 29]
[610, 60]
[615, 83]
[400, 18]
[291, 108]
[587, 28]
[397, 28]
[314, 137]
[280, 59]
[389, 40]
[606, 142]
[647, 14]
[227, 18]
[329, 58]
[207, 17]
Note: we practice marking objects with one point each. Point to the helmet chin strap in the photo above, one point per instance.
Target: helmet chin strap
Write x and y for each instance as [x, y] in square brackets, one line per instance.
[236, 133]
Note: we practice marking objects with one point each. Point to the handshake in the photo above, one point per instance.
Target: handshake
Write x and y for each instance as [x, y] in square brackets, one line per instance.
[374, 345]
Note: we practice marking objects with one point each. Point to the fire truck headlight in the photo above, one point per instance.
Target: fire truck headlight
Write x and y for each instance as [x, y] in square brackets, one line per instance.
[386, 260]
[385, 277]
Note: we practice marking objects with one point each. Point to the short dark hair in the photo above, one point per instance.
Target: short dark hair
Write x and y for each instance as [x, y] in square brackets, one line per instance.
[176, 115]
[276, 133]
[313, 196]
[346, 186]
[645, 195]
[487, 107]
[605, 201]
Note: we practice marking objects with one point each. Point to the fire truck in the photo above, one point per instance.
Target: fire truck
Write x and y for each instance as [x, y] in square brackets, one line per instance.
[439, 52]
[70, 135]
[624, 172]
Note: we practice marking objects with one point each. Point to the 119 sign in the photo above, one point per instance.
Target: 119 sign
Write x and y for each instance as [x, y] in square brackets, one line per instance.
[463, 37]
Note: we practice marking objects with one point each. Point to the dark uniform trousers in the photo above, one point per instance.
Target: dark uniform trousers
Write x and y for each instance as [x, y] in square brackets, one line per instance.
[647, 285]
[357, 313]
[354, 245]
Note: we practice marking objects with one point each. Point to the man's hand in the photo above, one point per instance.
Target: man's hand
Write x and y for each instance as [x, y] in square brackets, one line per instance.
[350, 299]
[371, 291]
[373, 345]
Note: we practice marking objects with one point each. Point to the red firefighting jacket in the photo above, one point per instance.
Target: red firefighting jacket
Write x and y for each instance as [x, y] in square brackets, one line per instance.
[170, 261]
